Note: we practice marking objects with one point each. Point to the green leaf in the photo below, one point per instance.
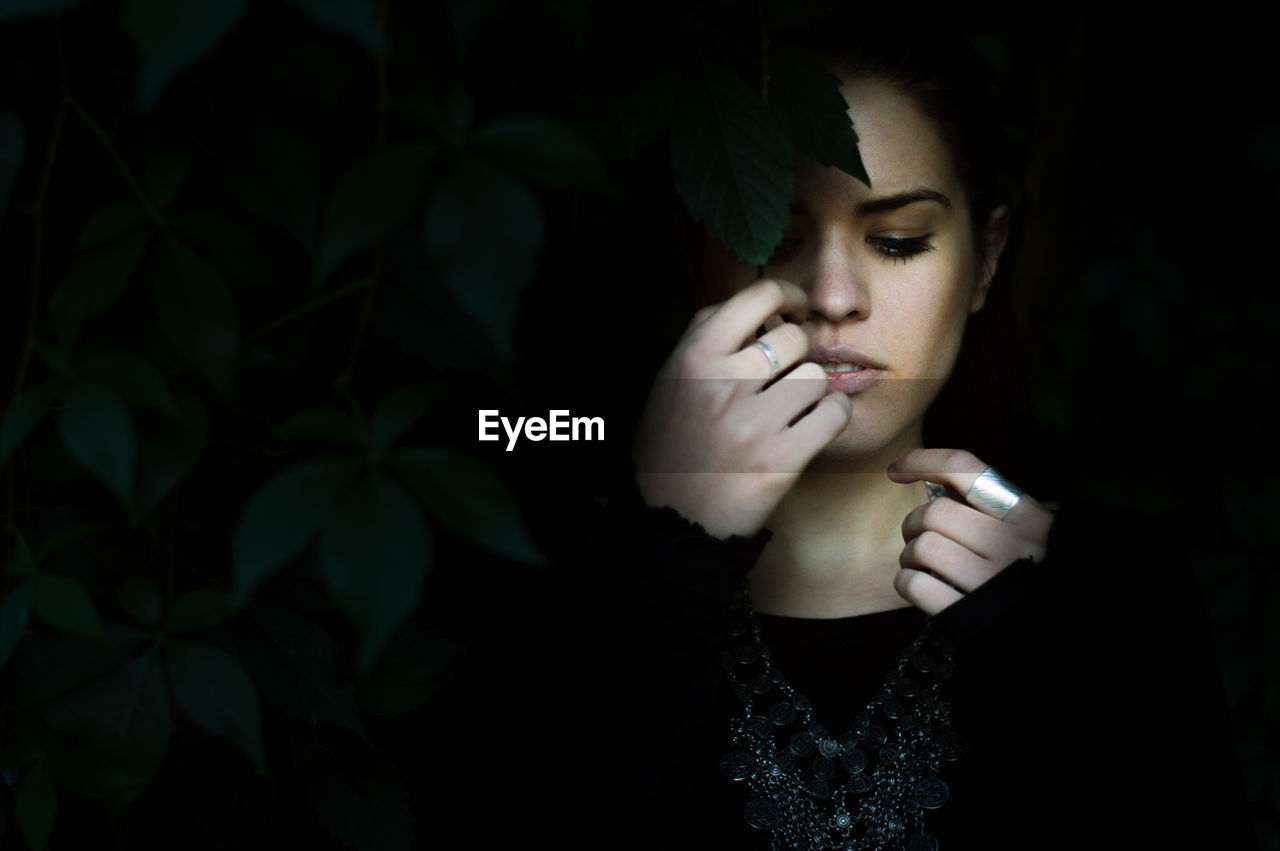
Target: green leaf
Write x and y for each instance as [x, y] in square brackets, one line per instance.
[131, 378]
[370, 199]
[62, 602]
[413, 668]
[485, 232]
[470, 17]
[13, 148]
[65, 536]
[169, 449]
[326, 426]
[469, 497]
[196, 312]
[35, 805]
[215, 692]
[733, 164]
[374, 559]
[227, 244]
[25, 414]
[113, 731]
[284, 515]
[52, 663]
[299, 667]
[357, 19]
[98, 432]
[573, 13]
[12, 10]
[806, 99]
[544, 150]
[107, 254]
[628, 103]
[399, 412]
[276, 175]
[140, 597]
[171, 36]
[356, 793]
[199, 609]
[15, 611]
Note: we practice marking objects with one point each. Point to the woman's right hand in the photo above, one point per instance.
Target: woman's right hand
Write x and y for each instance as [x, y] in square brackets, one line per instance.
[711, 444]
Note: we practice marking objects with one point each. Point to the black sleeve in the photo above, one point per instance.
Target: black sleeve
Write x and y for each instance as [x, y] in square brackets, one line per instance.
[1100, 665]
[633, 625]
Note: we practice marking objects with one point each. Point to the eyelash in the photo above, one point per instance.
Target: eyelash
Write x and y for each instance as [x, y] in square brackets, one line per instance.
[891, 248]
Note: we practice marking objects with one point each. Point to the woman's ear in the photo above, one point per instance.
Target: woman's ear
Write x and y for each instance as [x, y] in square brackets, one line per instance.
[994, 238]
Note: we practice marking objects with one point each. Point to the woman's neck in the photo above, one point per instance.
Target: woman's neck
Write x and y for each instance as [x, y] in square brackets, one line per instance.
[836, 539]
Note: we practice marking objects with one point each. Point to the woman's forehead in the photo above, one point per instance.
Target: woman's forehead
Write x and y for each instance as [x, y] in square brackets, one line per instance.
[900, 147]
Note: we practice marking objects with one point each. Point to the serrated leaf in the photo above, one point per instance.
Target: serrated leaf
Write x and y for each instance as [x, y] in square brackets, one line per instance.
[370, 199]
[25, 414]
[98, 433]
[15, 612]
[471, 17]
[140, 598]
[542, 149]
[169, 449]
[469, 497]
[52, 663]
[284, 515]
[374, 559]
[171, 36]
[196, 312]
[300, 668]
[108, 251]
[357, 19]
[806, 98]
[113, 731]
[35, 805]
[215, 692]
[399, 412]
[732, 161]
[63, 603]
[199, 609]
[131, 378]
[276, 175]
[412, 669]
[13, 149]
[356, 793]
[485, 232]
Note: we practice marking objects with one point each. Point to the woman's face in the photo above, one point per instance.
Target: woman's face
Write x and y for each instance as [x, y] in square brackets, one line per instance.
[891, 271]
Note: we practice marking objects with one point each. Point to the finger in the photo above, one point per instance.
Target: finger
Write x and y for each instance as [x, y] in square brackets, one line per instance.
[924, 591]
[958, 469]
[790, 345]
[729, 328]
[980, 533]
[701, 315]
[954, 564]
[790, 396]
[798, 444]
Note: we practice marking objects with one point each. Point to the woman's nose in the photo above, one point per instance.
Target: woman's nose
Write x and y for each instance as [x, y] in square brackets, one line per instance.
[835, 279]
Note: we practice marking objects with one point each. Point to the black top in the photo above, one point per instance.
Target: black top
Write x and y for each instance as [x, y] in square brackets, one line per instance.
[1085, 684]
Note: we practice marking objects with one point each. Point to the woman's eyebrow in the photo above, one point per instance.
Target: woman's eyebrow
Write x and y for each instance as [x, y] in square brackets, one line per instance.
[889, 202]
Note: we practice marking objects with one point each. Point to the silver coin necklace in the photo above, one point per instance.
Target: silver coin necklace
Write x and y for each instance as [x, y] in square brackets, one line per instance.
[865, 790]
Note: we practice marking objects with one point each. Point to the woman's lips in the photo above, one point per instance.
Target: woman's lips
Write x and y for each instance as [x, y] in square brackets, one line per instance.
[852, 382]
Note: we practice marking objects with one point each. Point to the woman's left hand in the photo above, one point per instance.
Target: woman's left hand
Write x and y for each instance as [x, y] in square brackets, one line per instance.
[952, 547]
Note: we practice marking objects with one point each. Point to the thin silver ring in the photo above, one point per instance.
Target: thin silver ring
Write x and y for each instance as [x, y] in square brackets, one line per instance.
[993, 494]
[769, 353]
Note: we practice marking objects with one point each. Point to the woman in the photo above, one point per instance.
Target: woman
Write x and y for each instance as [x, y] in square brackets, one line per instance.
[794, 625]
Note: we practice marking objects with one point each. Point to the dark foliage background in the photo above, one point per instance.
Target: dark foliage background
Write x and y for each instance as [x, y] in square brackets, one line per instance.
[262, 262]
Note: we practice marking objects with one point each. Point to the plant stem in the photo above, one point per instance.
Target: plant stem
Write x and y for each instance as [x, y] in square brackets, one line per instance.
[376, 261]
[125, 171]
[34, 284]
[313, 304]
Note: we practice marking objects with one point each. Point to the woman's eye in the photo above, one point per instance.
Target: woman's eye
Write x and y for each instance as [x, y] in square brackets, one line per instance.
[901, 247]
[786, 248]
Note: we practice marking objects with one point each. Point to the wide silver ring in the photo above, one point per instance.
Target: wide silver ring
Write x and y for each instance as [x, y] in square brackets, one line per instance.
[769, 353]
[993, 494]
